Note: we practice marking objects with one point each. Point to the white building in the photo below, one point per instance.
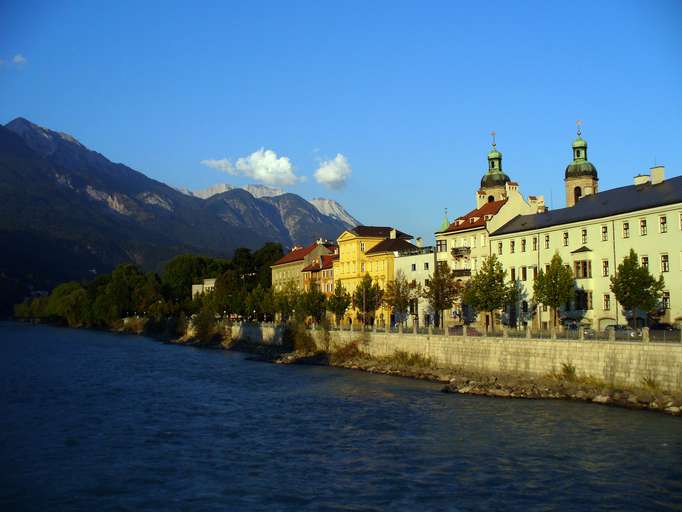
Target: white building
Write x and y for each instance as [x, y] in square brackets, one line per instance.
[593, 235]
[417, 265]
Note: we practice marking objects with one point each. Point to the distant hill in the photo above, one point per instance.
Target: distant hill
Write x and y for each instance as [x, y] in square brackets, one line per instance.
[67, 212]
[324, 206]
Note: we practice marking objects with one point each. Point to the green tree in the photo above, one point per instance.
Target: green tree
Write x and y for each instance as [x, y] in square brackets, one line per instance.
[554, 287]
[263, 258]
[229, 294]
[286, 299]
[311, 303]
[487, 290]
[635, 288]
[339, 301]
[399, 295]
[69, 301]
[367, 298]
[441, 290]
[180, 273]
[256, 303]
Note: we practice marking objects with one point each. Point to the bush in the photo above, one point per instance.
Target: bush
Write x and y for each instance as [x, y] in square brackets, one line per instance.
[405, 359]
[297, 338]
[568, 372]
[346, 353]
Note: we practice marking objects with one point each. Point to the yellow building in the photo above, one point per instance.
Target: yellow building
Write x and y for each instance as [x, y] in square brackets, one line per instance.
[369, 250]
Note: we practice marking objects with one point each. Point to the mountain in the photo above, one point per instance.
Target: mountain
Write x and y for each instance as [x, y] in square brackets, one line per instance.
[334, 210]
[67, 212]
[255, 190]
[327, 207]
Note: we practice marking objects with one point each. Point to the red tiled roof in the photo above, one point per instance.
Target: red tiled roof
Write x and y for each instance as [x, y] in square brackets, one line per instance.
[295, 255]
[327, 263]
[475, 218]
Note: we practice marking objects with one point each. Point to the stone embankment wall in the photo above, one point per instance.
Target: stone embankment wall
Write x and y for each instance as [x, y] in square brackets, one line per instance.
[268, 334]
[614, 362]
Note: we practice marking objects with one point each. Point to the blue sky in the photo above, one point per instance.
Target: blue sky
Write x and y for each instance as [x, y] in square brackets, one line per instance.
[406, 92]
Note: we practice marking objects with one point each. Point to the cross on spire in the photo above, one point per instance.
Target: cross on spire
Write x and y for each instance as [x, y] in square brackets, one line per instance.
[493, 133]
[578, 123]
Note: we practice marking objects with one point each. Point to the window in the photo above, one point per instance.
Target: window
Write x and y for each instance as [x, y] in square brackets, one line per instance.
[645, 262]
[482, 240]
[546, 241]
[582, 269]
[414, 267]
[605, 268]
[565, 238]
[362, 246]
[441, 245]
[523, 245]
[499, 248]
[535, 272]
[546, 268]
[524, 274]
[512, 245]
[583, 236]
[665, 263]
[474, 240]
[583, 300]
[607, 302]
[474, 263]
[642, 227]
[663, 224]
[512, 273]
[626, 230]
[604, 233]
[362, 266]
[665, 300]
[535, 243]
[426, 265]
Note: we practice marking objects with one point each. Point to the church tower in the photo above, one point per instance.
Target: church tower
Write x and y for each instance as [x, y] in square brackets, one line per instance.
[581, 176]
[494, 182]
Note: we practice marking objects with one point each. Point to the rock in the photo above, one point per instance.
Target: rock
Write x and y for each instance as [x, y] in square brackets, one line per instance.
[465, 389]
[500, 392]
[673, 410]
[580, 395]
[645, 398]
[633, 399]
[601, 399]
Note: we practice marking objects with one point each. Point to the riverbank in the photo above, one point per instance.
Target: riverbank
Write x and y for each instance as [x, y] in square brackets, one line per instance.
[561, 385]
[564, 385]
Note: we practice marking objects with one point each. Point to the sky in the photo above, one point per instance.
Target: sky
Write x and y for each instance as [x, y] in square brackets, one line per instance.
[386, 107]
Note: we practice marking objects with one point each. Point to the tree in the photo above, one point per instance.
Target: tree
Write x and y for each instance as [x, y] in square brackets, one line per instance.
[263, 258]
[311, 303]
[635, 288]
[339, 301]
[229, 294]
[487, 290]
[554, 287]
[400, 293]
[441, 290]
[180, 273]
[69, 301]
[367, 297]
[286, 299]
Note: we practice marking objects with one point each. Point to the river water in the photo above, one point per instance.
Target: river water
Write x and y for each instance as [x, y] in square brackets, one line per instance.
[96, 421]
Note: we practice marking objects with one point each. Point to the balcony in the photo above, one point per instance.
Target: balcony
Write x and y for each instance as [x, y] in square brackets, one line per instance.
[460, 252]
[462, 272]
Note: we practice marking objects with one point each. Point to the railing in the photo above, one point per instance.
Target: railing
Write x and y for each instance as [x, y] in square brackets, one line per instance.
[459, 252]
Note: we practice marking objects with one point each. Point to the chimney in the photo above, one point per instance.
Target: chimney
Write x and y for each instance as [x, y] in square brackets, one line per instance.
[657, 174]
[394, 233]
[419, 242]
[641, 179]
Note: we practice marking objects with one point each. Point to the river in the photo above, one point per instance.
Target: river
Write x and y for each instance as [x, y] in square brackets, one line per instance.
[98, 421]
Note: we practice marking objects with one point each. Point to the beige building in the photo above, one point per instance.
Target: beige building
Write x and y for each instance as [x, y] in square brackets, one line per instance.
[463, 244]
[593, 235]
[206, 286]
[290, 266]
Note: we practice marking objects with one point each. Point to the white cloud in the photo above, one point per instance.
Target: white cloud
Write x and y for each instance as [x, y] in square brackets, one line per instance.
[334, 173]
[223, 165]
[266, 167]
[19, 59]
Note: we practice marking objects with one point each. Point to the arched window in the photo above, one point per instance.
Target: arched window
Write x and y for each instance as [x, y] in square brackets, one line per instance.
[491, 199]
[577, 153]
[577, 194]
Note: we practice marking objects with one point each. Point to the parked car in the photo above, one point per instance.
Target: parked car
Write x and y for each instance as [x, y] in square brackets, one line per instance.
[589, 333]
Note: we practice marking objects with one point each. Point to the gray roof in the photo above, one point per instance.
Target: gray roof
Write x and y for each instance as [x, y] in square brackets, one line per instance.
[604, 204]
